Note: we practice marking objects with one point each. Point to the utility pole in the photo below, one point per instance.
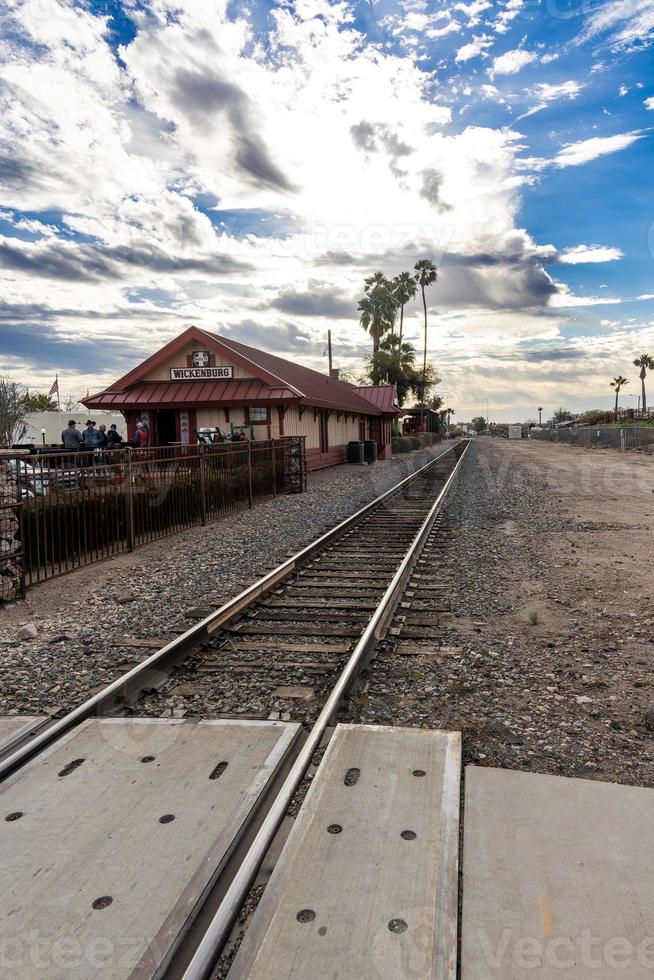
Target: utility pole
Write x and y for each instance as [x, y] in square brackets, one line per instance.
[487, 413]
[329, 351]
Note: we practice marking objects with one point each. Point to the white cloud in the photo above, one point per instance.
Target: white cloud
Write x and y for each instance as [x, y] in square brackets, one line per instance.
[649, 103]
[574, 154]
[472, 10]
[547, 93]
[581, 254]
[625, 24]
[474, 48]
[511, 62]
[300, 140]
[508, 12]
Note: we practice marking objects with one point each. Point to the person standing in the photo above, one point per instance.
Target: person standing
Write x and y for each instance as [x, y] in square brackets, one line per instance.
[91, 438]
[114, 438]
[140, 436]
[104, 439]
[72, 437]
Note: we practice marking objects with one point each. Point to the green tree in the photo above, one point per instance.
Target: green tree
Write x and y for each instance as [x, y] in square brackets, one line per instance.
[39, 403]
[377, 311]
[646, 363]
[424, 381]
[478, 424]
[426, 274]
[376, 279]
[618, 383]
[404, 289]
[562, 415]
[394, 363]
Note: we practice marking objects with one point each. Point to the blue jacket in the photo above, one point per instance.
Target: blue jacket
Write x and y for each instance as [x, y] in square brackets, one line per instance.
[92, 438]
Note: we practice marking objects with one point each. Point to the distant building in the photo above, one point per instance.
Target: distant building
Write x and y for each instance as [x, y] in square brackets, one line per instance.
[200, 380]
[420, 420]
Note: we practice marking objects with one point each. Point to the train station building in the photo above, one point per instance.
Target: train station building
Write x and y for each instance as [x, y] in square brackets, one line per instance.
[200, 380]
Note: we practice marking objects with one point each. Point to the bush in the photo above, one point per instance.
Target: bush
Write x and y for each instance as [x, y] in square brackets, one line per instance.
[415, 442]
[404, 445]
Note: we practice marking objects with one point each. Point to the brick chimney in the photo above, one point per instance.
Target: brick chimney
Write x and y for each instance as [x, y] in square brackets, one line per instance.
[334, 374]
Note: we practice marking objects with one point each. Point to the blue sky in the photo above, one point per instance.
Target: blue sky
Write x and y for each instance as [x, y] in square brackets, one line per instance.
[244, 166]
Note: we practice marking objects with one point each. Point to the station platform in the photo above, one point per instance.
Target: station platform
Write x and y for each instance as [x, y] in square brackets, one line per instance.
[111, 839]
[366, 885]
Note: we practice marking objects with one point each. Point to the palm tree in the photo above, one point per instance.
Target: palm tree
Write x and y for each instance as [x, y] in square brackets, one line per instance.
[376, 279]
[404, 289]
[425, 275]
[646, 363]
[618, 383]
[377, 310]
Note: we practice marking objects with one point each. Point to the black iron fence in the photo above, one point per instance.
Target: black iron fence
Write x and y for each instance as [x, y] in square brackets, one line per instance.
[78, 508]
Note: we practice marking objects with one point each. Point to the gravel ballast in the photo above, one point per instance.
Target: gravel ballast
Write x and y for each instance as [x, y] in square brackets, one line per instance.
[69, 650]
[548, 659]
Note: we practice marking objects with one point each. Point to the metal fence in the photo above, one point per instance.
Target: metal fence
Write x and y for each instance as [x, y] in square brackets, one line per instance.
[622, 437]
[78, 508]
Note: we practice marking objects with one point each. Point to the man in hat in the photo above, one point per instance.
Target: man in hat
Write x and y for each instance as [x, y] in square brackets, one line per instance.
[91, 438]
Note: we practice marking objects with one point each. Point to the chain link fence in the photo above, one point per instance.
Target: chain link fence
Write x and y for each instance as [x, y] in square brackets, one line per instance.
[624, 437]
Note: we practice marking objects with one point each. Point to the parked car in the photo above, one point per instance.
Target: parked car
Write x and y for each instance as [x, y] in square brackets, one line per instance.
[37, 480]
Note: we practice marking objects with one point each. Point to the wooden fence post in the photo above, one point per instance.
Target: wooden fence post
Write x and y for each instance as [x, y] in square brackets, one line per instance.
[131, 537]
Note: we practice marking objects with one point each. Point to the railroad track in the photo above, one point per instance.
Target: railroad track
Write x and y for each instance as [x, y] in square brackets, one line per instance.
[293, 647]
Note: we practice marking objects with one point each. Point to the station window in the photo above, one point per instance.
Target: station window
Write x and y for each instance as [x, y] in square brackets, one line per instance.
[258, 414]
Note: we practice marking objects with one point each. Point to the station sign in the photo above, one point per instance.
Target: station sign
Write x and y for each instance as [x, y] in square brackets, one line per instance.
[201, 373]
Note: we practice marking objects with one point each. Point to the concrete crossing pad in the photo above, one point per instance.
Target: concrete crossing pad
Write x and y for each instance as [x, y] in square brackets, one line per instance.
[558, 878]
[109, 839]
[366, 886]
[14, 727]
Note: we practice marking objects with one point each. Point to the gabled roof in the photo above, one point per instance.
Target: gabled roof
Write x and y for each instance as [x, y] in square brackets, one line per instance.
[273, 379]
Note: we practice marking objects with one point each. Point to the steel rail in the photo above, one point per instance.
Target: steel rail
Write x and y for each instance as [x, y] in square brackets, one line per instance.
[117, 691]
[214, 939]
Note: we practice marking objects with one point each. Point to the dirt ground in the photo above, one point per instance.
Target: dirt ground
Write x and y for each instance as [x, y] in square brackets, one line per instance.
[548, 658]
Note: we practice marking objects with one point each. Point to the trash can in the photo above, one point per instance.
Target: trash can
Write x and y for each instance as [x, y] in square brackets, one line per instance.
[355, 453]
[370, 451]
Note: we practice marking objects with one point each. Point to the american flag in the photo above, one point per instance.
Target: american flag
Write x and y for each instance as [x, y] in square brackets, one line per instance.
[55, 388]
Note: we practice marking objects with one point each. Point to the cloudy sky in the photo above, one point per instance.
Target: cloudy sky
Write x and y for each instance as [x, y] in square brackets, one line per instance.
[243, 166]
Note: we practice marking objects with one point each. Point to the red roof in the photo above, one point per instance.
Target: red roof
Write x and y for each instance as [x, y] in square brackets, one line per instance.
[274, 379]
[383, 397]
[168, 394]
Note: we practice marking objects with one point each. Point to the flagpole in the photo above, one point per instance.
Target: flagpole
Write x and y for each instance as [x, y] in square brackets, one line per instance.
[58, 395]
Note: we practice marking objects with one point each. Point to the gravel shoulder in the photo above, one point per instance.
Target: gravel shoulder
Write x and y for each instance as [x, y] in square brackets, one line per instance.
[548, 659]
[80, 616]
